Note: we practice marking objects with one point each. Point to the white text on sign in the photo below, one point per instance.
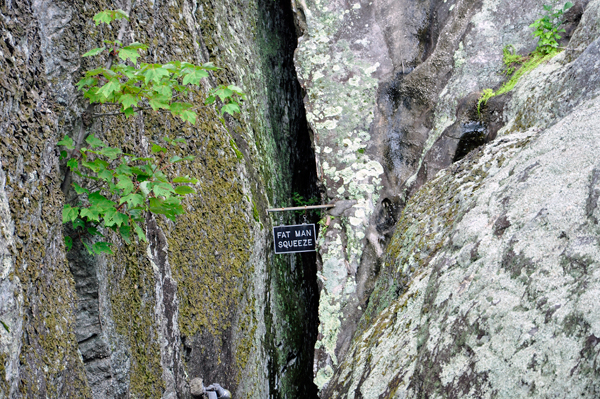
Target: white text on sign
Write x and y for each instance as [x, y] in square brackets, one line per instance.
[296, 238]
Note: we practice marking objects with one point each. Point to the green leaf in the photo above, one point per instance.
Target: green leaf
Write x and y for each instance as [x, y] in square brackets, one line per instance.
[107, 16]
[140, 232]
[568, 5]
[183, 190]
[180, 107]
[175, 159]
[127, 52]
[102, 247]
[111, 152]
[154, 72]
[128, 100]
[188, 116]
[92, 95]
[79, 189]
[222, 93]
[94, 142]
[68, 244]
[160, 176]
[159, 103]
[125, 231]
[69, 213]
[173, 66]
[86, 82]
[170, 208]
[114, 218]
[99, 201]
[125, 184]
[188, 158]
[230, 108]
[103, 17]
[106, 175]
[67, 142]
[184, 179]
[163, 189]
[137, 46]
[129, 112]
[237, 90]
[89, 249]
[123, 169]
[78, 223]
[63, 155]
[101, 71]
[94, 51]
[91, 214]
[164, 91]
[156, 149]
[210, 100]
[112, 86]
[132, 200]
[194, 76]
[96, 165]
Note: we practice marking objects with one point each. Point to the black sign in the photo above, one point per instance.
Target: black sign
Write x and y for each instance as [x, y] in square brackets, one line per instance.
[297, 238]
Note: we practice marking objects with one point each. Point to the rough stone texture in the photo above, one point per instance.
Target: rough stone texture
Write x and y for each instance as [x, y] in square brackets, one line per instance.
[205, 298]
[391, 96]
[196, 387]
[487, 288]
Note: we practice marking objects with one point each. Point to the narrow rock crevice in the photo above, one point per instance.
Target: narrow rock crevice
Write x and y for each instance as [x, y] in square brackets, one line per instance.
[292, 278]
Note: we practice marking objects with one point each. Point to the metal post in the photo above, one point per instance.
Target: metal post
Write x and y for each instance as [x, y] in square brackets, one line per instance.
[300, 208]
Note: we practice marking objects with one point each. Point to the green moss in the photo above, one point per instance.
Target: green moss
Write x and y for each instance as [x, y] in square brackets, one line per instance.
[133, 300]
[247, 331]
[429, 215]
[238, 153]
[255, 212]
[529, 63]
[50, 364]
[3, 383]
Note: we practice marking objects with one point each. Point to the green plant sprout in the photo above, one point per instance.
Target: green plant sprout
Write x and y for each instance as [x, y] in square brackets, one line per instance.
[323, 222]
[300, 201]
[121, 188]
[485, 96]
[547, 29]
[511, 59]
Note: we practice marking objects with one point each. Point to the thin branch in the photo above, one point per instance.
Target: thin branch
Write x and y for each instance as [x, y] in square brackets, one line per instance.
[163, 111]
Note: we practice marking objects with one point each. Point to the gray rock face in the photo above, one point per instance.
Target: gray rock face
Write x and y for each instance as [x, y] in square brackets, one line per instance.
[391, 94]
[492, 293]
[486, 289]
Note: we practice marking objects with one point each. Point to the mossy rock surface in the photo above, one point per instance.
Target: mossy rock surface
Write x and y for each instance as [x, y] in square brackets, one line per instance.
[206, 298]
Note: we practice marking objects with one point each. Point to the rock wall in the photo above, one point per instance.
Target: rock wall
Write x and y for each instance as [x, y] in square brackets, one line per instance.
[206, 298]
[484, 290]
